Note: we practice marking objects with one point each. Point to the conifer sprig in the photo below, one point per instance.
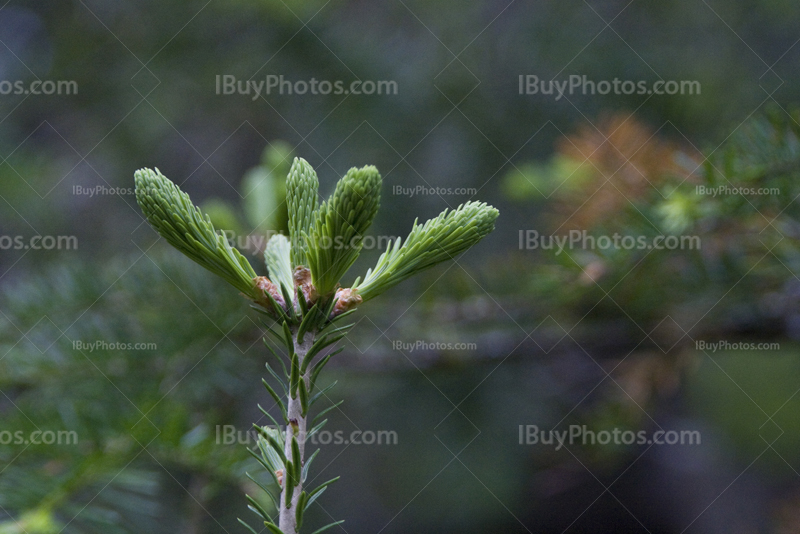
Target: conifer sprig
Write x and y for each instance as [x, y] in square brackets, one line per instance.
[173, 215]
[302, 188]
[277, 257]
[304, 298]
[335, 238]
[438, 240]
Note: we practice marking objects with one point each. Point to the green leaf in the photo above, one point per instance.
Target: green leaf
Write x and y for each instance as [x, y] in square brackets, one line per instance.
[264, 488]
[302, 194]
[301, 508]
[278, 336]
[294, 377]
[260, 460]
[321, 343]
[272, 456]
[303, 397]
[326, 527]
[172, 214]
[308, 321]
[322, 392]
[257, 508]
[341, 316]
[334, 240]
[343, 328]
[288, 482]
[249, 527]
[268, 415]
[278, 378]
[287, 297]
[320, 365]
[278, 312]
[301, 300]
[315, 497]
[273, 528]
[296, 461]
[287, 337]
[316, 429]
[272, 440]
[326, 410]
[438, 240]
[279, 262]
[323, 486]
[274, 353]
[329, 309]
[307, 466]
[276, 397]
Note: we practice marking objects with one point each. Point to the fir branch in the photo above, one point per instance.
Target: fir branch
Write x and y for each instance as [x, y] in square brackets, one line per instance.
[301, 195]
[438, 240]
[323, 245]
[171, 213]
[335, 238]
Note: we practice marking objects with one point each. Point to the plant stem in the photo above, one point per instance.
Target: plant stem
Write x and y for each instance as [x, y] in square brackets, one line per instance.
[297, 428]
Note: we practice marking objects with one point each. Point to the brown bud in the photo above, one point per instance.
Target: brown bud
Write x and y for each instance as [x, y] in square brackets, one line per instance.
[347, 299]
[302, 279]
[264, 284]
[279, 474]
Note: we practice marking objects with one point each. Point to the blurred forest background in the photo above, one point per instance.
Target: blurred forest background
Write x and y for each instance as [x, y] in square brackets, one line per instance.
[602, 338]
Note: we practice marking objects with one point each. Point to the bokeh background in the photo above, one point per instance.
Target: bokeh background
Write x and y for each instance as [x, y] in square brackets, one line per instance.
[504, 338]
